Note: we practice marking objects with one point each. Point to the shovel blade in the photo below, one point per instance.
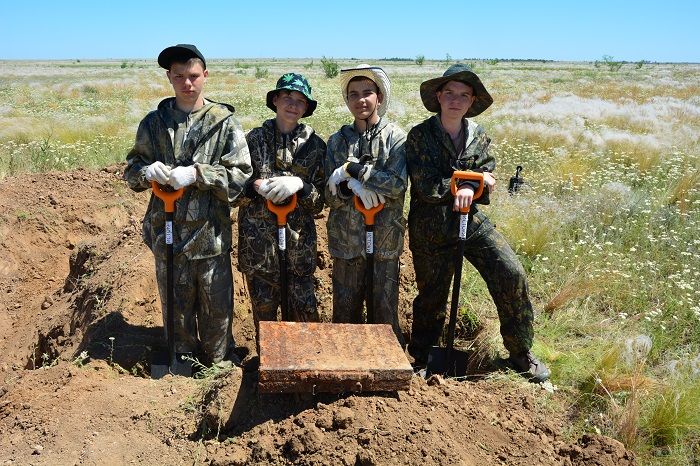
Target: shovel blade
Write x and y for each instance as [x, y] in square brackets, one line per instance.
[454, 365]
[162, 366]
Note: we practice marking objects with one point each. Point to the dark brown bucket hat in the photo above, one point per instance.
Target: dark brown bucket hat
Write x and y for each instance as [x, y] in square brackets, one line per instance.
[457, 72]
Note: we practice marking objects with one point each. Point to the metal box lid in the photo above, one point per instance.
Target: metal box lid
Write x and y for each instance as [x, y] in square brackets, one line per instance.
[322, 357]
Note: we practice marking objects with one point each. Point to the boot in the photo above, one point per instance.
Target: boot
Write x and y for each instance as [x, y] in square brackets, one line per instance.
[530, 367]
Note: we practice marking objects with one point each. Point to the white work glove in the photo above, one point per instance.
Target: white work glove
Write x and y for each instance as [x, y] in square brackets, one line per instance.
[263, 188]
[368, 197]
[281, 187]
[158, 172]
[339, 175]
[182, 176]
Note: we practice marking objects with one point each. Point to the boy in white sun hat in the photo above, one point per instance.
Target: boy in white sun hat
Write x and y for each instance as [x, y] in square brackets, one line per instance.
[366, 159]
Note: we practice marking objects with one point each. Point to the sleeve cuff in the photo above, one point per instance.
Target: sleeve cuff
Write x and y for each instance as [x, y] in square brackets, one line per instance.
[344, 189]
[354, 169]
[306, 189]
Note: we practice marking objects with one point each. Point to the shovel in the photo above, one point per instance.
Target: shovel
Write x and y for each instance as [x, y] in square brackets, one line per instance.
[449, 361]
[171, 362]
[369, 250]
[281, 211]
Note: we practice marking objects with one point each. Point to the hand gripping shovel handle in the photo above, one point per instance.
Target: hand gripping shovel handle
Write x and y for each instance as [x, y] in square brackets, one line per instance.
[463, 223]
[281, 211]
[369, 250]
[467, 176]
[169, 198]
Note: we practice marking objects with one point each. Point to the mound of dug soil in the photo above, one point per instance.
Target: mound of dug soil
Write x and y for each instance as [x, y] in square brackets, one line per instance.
[79, 314]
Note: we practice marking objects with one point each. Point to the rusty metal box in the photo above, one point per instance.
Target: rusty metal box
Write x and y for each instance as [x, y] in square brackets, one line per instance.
[320, 357]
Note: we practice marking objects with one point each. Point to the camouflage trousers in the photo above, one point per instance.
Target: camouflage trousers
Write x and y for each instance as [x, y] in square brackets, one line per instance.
[203, 304]
[489, 252]
[349, 292]
[264, 289]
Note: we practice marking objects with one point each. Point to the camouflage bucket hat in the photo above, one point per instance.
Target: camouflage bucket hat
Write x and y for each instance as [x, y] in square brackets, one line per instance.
[457, 72]
[293, 82]
[373, 73]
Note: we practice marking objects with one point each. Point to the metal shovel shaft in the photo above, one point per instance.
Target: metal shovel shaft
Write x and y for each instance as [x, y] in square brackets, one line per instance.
[282, 253]
[369, 273]
[281, 211]
[463, 223]
[170, 286]
[369, 215]
[169, 198]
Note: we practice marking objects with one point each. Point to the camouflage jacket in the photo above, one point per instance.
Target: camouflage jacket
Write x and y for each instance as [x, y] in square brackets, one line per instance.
[212, 140]
[431, 159]
[384, 150]
[299, 153]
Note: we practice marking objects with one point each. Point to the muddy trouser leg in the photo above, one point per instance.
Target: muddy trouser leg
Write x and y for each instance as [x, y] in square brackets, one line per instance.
[505, 277]
[433, 278]
[348, 290]
[302, 298]
[264, 289]
[386, 295]
[215, 305]
[185, 297]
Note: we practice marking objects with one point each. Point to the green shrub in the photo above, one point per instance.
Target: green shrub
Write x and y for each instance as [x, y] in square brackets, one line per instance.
[261, 73]
[330, 67]
[420, 59]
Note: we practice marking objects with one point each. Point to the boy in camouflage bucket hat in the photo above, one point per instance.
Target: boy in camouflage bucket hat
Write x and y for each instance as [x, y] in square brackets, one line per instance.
[366, 159]
[287, 158]
[435, 148]
[196, 144]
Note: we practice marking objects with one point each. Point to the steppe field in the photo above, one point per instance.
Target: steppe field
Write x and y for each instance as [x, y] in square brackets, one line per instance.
[607, 227]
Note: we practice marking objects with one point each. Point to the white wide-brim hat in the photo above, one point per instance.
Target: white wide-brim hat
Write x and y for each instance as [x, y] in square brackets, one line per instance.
[376, 74]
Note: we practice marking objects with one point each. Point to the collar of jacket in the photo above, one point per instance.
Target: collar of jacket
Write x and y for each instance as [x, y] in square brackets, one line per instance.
[300, 134]
[441, 134]
[215, 110]
[351, 134]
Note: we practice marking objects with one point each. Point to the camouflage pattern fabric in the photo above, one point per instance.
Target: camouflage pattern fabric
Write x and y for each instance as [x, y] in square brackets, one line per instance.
[488, 251]
[202, 305]
[299, 153]
[433, 236]
[212, 140]
[264, 292]
[384, 150]
[349, 292]
[431, 159]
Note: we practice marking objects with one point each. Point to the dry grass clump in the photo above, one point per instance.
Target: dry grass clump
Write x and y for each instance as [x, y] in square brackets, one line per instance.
[685, 190]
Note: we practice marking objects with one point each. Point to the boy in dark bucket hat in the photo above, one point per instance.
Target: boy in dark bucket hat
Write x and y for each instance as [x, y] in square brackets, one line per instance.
[196, 144]
[435, 148]
[366, 159]
[287, 158]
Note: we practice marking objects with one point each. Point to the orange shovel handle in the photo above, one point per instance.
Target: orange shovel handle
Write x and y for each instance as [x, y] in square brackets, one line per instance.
[282, 210]
[469, 176]
[168, 197]
[368, 213]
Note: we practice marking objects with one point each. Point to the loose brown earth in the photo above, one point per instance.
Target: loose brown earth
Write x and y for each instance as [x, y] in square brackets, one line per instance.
[74, 274]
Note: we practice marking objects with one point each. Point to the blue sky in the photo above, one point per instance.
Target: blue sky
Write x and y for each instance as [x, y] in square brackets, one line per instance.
[556, 30]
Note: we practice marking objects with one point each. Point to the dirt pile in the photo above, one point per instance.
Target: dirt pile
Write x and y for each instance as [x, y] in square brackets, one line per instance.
[79, 314]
